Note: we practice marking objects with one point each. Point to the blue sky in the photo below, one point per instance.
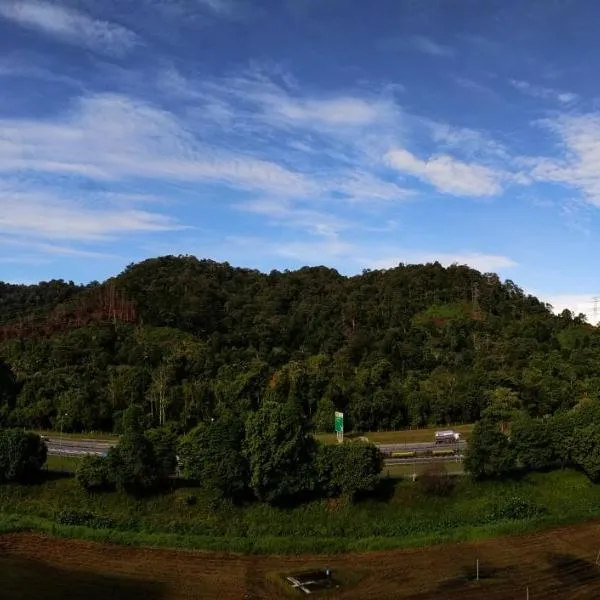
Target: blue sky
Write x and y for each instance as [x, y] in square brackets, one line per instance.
[274, 134]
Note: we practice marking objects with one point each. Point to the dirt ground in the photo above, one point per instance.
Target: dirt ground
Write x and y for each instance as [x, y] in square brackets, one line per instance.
[559, 563]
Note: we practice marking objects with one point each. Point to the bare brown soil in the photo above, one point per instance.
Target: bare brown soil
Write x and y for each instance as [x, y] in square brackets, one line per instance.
[555, 564]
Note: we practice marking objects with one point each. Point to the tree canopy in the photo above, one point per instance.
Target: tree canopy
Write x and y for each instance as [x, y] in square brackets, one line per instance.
[407, 346]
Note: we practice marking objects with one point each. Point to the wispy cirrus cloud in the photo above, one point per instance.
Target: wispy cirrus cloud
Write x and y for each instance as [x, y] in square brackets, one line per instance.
[351, 256]
[578, 167]
[545, 93]
[428, 46]
[132, 139]
[70, 26]
[43, 214]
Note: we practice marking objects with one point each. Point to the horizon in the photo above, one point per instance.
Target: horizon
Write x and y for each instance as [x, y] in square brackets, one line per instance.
[276, 135]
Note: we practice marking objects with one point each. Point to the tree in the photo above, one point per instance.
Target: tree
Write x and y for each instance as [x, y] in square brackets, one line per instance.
[212, 454]
[586, 450]
[324, 416]
[279, 452]
[164, 445]
[532, 443]
[348, 469]
[22, 455]
[93, 473]
[132, 462]
[8, 391]
[504, 405]
[489, 453]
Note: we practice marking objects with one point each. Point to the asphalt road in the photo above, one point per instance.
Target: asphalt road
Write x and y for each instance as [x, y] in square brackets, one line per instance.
[79, 447]
[76, 447]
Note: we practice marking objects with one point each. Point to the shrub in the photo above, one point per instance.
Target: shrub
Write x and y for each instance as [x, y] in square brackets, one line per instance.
[93, 473]
[212, 454]
[347, 469]
[22, 455]
[84, 519]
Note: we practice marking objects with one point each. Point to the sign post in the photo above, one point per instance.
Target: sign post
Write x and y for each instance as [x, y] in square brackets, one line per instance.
[339, 426]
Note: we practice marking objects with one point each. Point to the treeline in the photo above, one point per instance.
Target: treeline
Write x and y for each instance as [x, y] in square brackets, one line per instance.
[507, 441]
[269, 457]
[404, 347]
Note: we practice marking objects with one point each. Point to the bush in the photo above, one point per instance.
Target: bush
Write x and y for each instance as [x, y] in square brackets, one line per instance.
[212, 454]
[22, 455]
[132, 464]
[84, 519]
[518, 508]
[93, 473]
[434, 480]
[347, 469]
[489, 453]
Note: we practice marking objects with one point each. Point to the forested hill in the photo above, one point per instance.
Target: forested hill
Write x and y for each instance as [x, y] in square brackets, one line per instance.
[187, 339]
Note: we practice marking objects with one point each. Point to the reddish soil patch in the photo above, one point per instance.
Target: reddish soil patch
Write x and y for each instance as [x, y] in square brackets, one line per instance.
[555, 564]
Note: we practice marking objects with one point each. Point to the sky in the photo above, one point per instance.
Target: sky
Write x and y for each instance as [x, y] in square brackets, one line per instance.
[274, 134]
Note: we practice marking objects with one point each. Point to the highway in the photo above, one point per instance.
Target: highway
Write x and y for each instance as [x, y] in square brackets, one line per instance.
[79, 447]
[76, 447]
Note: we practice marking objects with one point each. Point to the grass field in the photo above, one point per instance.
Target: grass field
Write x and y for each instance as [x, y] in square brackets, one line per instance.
[56, 462]
[557, 564]
[402, 515]
[402, 470]
[405, 436]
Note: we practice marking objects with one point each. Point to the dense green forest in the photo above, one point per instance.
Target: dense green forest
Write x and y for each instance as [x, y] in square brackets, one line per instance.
[408, 346]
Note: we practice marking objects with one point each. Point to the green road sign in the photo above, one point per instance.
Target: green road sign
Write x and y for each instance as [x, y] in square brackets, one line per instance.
[339, 422]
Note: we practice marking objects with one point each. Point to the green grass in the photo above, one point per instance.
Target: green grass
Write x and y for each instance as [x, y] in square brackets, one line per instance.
[99, 437]
[62, 463]
[403, 470]
[405, 436]
[408, 518]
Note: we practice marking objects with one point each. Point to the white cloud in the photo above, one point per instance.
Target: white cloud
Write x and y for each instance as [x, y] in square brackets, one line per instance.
[544, 93]
[576, 303]
[220, 7]
[39, 213]
[580, 137]
[352, 257]
[110, 136]
[307, 219]
[486, 263]
[334, 112]
[447, 174]
[69, 25]
[429, 46]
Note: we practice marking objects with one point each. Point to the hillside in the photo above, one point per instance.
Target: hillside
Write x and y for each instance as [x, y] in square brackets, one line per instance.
[188, 338]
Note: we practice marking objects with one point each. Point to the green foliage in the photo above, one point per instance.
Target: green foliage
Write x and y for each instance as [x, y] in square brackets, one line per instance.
[390, 348]
[164, 443]
[93, 473]
[347, 469]
[132, 463]
[85, 519]
[532, 442]
[410, 518]
[489, 452]
[212, 455]
[22, 455]
[586, 450]
[279, 452]
[435, 480]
